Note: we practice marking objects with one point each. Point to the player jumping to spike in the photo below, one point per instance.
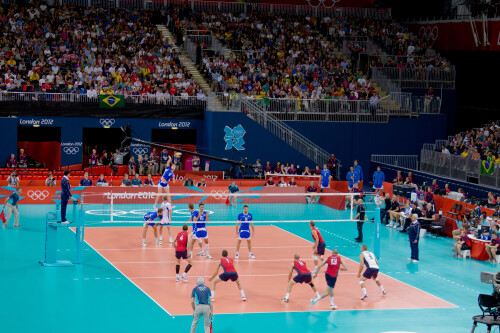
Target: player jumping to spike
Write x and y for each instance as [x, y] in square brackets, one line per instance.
[180, 244]
[303, 276]
[149, 221]
[167, 218]
[366, 258]
[168, 175]
[243, 231]
[228, 274]
[333, 263]
[319, 245]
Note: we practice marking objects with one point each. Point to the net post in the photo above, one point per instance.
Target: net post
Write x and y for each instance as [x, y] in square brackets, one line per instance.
[111, 207]
[376, 230]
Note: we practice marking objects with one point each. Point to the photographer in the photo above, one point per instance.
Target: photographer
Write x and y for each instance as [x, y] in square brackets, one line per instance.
[50, 181]
[13, 180]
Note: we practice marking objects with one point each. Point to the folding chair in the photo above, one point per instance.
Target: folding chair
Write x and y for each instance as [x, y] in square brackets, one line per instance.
[438, 227]
[454, 212]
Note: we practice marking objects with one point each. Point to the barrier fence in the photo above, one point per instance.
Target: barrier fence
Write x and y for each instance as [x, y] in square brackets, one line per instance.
[403, 161]
[437, 77]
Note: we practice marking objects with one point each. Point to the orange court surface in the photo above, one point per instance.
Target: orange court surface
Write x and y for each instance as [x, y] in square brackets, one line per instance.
[264, 279]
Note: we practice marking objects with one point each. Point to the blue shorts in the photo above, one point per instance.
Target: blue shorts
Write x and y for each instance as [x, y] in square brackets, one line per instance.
[161, 184]
[200, 234]
[303, 278]
[330, 280]
[321, 248]
[150, 223]
[244, 234]
[233, 276]
[370, 273]
[181, 254]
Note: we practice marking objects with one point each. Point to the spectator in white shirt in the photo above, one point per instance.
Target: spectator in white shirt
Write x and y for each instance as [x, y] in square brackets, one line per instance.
[445, 150]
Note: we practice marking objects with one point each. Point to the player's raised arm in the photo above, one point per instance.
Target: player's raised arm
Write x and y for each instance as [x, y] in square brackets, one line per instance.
[215, 273]
[344, 266]
[361, 264]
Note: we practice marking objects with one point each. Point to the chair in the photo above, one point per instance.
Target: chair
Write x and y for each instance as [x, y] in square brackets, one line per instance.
[454, 212]
[438, 227]
[459, 210]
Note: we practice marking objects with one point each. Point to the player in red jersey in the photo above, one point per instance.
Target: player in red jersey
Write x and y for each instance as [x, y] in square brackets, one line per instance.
[319, 245]
[181, 244]
[228, 274]
[303, 276]
[332, 263]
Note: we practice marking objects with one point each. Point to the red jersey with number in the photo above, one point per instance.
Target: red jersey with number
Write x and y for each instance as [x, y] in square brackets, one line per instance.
[319, 235]
[227, 265]
[333, 265]
[182, 239]
[300, 267]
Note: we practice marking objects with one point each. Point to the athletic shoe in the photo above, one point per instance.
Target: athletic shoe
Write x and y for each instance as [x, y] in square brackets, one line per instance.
[395, 226]
[384, 292]
[284, 299]
[390, 225]
[212, 299]
[17, 226]
[144, 244]
[159, 243]
[65, 222]
[236, 256]
[243, 298]
[415, 261]
[333, 307]
[251, 256]
[4, 226]
[202, 253]
[364, 296]
[209, 256]
[409, 259]
[177, 279]
[184, 279]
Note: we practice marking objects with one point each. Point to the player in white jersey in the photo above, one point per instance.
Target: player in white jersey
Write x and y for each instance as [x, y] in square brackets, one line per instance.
[368, 259]
[243, 231]
[167, 218]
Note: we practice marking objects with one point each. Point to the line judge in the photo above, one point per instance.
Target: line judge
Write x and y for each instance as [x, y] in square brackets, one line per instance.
[65, 195]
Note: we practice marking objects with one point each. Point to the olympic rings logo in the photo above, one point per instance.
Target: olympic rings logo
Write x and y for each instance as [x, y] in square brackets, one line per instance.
[106, 122]
[71, 150]
[324, 3]
[219, 194]
[429, 34]
[37, 194]
[140, 151]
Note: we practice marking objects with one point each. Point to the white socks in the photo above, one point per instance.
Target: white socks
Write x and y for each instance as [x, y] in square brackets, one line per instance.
[318, 295]
[331, 301]
[287, 296]
[382, 287]
[161, 237]
[144, 240]
[206, 248]
[242, 293]
[212, 293]
[364, 291]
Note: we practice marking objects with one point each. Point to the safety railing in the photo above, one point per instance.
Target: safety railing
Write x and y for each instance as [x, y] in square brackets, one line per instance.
[284, 132]
[427, 105]
[402, 161]
[84, 98]
[437, 77]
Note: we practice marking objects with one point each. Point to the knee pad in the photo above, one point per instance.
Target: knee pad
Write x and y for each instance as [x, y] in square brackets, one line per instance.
[315, 257]
[361, 282]
[376, 280]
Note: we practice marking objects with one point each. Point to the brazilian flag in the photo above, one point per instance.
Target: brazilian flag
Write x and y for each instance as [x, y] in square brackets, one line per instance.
[111, 101]
[487, 167]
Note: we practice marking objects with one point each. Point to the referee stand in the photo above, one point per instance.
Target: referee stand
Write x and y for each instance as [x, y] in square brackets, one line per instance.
[53, 225]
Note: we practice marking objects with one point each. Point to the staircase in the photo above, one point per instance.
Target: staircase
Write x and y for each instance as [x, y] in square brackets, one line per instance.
[185, 59]
[285, 133]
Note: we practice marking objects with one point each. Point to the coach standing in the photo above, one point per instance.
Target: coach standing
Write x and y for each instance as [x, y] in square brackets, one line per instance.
[65, 195]
[200, 302]
[414, 237]
[360, 216]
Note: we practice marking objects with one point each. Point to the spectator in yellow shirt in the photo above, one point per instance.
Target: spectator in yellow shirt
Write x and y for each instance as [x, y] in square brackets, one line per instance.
[34, 77]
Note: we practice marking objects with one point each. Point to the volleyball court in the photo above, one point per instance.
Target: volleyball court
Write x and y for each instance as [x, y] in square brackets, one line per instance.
[265, 278]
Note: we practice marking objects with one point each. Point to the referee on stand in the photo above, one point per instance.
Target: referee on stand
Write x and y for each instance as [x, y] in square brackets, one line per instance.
[200, 301]
[65, 195]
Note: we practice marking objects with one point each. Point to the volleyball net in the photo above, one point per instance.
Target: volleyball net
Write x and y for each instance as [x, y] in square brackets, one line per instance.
[267, 205]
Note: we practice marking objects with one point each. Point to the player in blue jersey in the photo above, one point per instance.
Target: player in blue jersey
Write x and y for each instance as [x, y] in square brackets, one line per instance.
[168, 175]
[149, 220]
[243, 231]
[326, 177]
[192, 218]
[201, 229]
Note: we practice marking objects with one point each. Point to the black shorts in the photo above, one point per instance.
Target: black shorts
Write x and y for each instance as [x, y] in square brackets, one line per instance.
[181, 254]
[233, 276]
[465, 247]
[370, 273]
[330, 280]
[303, 278]
[321, 248]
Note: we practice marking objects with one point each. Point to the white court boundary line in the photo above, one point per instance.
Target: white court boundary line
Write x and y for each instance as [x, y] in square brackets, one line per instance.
[192, 276]
[287, 260]
[119, 271]
[456, 306]
[212, 247]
